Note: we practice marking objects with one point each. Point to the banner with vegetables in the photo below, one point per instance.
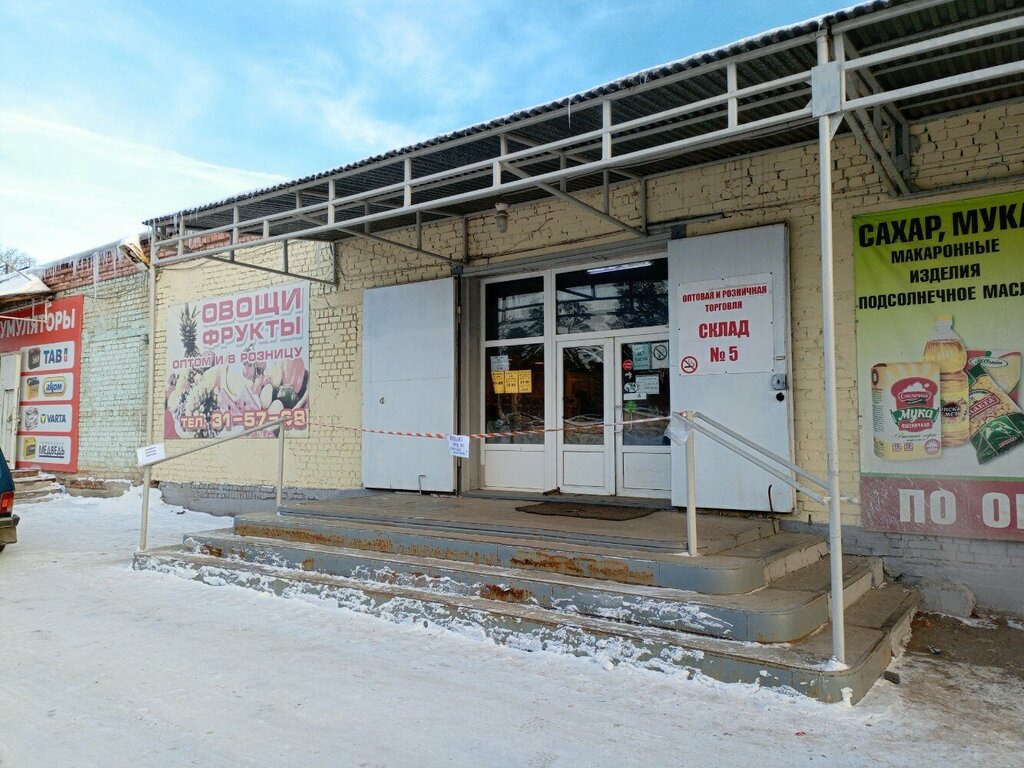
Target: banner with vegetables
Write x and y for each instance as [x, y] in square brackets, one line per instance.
[940, 332]
[237, 362]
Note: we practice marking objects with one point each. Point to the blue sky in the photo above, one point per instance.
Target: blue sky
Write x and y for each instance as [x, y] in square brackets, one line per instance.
[112, 112]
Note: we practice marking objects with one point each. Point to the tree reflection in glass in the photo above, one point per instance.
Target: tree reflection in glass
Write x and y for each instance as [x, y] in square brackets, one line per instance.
[583, 392]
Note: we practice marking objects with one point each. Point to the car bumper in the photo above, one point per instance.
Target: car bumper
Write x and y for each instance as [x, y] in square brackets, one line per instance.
[9, 529]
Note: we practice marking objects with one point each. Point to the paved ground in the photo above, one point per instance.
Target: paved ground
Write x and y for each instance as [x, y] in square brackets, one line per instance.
[996, 643]
[105, 666]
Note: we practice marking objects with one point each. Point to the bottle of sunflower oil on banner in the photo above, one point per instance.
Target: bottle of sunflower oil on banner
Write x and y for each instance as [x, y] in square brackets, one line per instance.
[948, 352]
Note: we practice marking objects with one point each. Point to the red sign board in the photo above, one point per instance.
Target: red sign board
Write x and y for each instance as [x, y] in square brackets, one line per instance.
[49, 341]
[971, 507]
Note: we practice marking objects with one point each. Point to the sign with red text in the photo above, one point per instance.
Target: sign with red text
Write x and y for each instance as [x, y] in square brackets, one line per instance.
[49, 340]
[237, 362]
[726, 326]
[940, 336]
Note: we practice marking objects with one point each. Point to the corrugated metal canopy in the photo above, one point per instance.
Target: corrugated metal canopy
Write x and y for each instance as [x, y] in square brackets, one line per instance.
[662, 119]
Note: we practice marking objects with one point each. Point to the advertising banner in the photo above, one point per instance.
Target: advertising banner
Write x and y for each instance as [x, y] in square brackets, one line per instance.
[940, 332]
[237, 362]
[49, 340]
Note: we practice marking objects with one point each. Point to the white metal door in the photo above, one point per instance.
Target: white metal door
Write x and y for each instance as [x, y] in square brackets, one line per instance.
[409, 385]
[642, 452]
[585, 442]
[735, 365]
[10, 370]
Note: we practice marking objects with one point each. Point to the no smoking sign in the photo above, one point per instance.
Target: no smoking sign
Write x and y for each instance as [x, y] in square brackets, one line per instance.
[688, 364]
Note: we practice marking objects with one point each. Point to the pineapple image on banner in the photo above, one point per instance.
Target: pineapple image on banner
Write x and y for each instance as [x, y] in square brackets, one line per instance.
[237, 362]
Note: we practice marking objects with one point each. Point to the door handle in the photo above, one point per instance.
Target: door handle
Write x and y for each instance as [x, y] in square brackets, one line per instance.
[618, 420]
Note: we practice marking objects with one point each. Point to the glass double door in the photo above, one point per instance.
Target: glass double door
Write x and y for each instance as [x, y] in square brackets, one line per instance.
[613, 408]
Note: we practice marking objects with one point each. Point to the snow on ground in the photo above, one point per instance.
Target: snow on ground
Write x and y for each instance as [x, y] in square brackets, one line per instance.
[105, 666]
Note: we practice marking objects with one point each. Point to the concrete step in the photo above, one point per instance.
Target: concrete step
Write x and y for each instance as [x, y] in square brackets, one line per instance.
[768, 615]
[37, 492]
[35, 480]
[716, 532]
[736, 570]
[803, 666]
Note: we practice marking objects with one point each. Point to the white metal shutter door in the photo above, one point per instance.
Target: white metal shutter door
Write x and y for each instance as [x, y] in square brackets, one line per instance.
[743, 401]
[409, 385]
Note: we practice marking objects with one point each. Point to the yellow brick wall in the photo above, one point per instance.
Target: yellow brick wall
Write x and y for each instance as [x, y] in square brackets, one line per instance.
[778, 186]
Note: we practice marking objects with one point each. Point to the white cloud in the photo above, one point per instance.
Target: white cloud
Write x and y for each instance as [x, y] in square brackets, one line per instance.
[64, 189]
[348, 122]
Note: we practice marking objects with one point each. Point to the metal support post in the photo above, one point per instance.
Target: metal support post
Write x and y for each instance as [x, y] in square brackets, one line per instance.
[691, 493]
[280, 464]
[147, 476]
[835, 533]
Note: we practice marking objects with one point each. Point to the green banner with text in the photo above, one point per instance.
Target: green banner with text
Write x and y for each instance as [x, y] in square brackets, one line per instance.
[940, 331]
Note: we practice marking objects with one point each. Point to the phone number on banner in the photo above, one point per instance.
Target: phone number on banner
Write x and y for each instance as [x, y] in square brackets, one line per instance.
[295, 418]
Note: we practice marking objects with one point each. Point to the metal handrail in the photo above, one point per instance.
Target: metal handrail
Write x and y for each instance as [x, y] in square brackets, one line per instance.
[148, 474]
[758, 462]
[689, 418]
[781, 460]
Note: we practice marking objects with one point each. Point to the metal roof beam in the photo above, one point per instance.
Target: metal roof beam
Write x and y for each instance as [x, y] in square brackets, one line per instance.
[577, 202]
[547, 116]
[598, 134]
[864, 130]
[787, 119]
[895, 182]
[259, 267]
[885, 15]
[401, 246]
[934, 43]
[575, 156]
[883, 134]
[951, 27]
[942, 84]
[867, 78]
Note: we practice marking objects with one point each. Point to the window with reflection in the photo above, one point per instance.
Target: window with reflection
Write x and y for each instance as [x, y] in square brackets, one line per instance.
[618, 296]
[645, 392]
[583, 400]
[514, 393]
[514, 309]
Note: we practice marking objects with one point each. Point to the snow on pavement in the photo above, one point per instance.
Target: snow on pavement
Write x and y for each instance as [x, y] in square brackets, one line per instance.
[106, 666]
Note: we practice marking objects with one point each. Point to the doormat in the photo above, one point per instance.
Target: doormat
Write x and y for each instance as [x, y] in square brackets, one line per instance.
[592, 511]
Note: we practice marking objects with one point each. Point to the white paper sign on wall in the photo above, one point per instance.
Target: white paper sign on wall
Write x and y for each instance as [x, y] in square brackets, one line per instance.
[458, 445]
[148, 454]
[725, 326]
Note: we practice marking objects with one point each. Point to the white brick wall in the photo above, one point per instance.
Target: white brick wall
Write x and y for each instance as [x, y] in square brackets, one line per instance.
[112, 402]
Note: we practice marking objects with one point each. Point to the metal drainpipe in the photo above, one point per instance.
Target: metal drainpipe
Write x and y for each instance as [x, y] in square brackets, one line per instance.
[829, 365]
[458, 374]
[147, 475]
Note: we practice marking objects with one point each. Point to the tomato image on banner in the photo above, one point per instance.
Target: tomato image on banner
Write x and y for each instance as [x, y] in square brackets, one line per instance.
[940, 326]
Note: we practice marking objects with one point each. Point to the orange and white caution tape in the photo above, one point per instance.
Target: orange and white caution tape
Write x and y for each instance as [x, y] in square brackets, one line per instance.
[485, 435]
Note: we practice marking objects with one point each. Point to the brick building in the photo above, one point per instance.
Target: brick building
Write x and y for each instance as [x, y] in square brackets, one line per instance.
[537, 281]
[98, 364]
